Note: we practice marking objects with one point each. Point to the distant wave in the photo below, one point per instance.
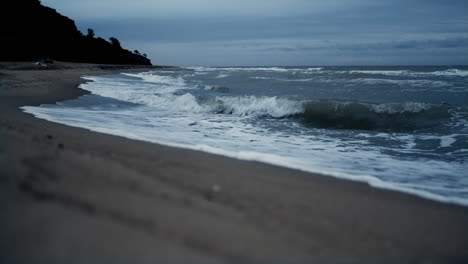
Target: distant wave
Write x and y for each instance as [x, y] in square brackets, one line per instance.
[160, 79]
[414, 83]
[296, 80]
[315, 70]
[221, 76]
[449, 72]
[251, 69]
[272, 69]
[261, 78]
[390, 73]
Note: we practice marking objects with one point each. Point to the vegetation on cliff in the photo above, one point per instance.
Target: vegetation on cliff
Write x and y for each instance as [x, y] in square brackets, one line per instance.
[30, 31]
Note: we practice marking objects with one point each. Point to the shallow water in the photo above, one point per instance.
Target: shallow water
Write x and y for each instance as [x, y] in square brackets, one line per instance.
[401, 128]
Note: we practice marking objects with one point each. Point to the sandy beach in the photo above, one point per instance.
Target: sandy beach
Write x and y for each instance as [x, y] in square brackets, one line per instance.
[72, 194]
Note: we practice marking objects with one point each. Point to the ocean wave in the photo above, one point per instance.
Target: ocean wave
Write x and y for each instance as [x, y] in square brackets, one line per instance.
[315, 70]
[296, 80]
[221, 76]
[390, 73]
[173, 96]
[414, 83]
[261, 78]
[317, 113]
[366, 116]
[272, 69]
[405, 107]
[370, 142]
[257, 106]
[253, 69]
[449, 72]
[338, 114]
[159, 79]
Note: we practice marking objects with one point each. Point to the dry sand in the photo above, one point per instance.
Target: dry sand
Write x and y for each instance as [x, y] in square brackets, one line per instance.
[71, 194]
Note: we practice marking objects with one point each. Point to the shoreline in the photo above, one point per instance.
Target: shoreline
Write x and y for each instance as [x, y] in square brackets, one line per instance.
[261, 157]
[190, 205]
[364, 179]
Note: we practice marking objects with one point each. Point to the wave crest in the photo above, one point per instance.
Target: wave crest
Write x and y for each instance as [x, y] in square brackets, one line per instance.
[365, 116]
[159, 79]
[337, 114]
[258, 106]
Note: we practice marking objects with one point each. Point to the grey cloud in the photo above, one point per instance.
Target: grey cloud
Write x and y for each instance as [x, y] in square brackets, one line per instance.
[448, 43]
[250, 32]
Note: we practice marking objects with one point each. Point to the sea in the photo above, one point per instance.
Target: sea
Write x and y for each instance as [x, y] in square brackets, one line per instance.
[397, 128]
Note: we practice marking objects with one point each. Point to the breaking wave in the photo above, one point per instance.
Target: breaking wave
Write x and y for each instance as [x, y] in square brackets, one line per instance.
[158, 79]
[321, 113]
[257, 106]
[339, 114]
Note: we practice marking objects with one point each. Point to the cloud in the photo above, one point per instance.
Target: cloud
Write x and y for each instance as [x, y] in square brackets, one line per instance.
[190, 8]
[447, 43]
[248, 32]
[309, 52]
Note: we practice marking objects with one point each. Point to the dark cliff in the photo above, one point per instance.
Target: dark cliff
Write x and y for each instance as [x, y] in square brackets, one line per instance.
[31, 31]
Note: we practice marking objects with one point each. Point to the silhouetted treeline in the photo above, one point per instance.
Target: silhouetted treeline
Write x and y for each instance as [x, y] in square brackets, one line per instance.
[30, 31]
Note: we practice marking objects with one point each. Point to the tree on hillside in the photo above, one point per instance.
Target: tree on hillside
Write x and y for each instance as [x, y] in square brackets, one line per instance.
[90, 33]
[136, 52]
[115, 42]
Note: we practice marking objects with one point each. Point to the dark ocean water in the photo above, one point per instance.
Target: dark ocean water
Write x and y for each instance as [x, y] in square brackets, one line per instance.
[401, 128]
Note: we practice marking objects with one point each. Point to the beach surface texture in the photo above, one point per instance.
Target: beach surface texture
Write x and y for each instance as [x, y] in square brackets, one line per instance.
[72, 194]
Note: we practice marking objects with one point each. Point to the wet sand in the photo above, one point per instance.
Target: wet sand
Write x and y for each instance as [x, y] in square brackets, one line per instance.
[72, 194]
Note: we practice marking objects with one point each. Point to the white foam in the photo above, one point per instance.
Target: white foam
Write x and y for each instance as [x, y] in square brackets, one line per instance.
[447, 141]
[391, 73]
[221, 76]
[163, 97]
[414, 83]
[155, 90]
[259, 106]
[449, 72]
[253, 69]
[406, 107]
[270, 69]
[159, 79]
[296, 80]
[261, 78]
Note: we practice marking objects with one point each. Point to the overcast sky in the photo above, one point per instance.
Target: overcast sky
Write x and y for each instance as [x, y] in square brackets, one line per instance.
[281, 32]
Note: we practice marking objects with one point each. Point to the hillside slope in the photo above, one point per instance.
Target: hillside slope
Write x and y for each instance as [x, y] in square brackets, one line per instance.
[31, 31]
